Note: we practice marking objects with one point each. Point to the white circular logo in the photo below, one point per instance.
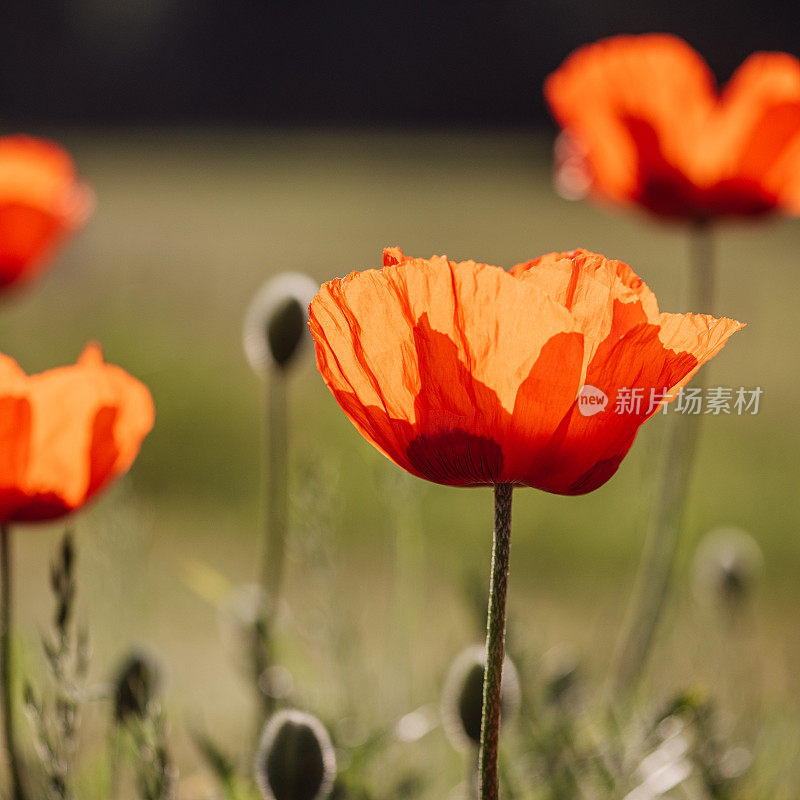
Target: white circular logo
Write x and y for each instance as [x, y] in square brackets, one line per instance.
[591, 400]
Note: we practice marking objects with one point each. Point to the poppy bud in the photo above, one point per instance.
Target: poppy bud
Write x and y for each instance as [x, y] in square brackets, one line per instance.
[462, 704]
[295, 758]
[135, 686]
[276, 323]
[726, 565]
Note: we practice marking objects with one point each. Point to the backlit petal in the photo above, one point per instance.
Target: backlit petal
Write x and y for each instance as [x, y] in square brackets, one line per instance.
[466, 375]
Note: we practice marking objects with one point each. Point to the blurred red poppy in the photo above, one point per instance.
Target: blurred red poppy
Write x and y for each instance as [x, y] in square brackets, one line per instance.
[41, 202]
[645, 125]
[467, 375]
[66, 433]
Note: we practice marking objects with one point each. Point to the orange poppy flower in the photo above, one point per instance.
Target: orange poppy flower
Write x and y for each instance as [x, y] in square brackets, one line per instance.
[66, 433]
[41, 201]
[644, 124]
[468, 375]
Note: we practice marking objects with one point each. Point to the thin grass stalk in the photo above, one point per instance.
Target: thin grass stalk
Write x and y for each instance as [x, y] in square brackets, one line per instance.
[495, 642]
[12, 756]
[664, 528]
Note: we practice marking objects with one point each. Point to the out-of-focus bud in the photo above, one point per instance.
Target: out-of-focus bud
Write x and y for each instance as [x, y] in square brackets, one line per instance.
[726, 566]
[275, 325]
[295, 759]
[462, 701]
[135, 687]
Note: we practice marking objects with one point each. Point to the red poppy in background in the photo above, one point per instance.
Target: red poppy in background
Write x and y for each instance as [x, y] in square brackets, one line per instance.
[468, 375]
[66, 433]
[644, 124]
[41, 202]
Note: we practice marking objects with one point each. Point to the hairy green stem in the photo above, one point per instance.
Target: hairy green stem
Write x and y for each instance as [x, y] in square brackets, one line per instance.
[18, 791]
[664, 528]
[495, 642]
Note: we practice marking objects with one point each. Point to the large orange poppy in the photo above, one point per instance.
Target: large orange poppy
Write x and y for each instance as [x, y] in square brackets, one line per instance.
[66, 433]
[468, 375]
[645, 124]
[41, 201]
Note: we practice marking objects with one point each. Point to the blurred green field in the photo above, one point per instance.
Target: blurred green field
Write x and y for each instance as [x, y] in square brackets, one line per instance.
[188, 224]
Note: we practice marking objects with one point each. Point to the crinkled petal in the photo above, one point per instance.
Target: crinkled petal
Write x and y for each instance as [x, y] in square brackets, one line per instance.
[444, 346]
[466, 375]
[604, 296]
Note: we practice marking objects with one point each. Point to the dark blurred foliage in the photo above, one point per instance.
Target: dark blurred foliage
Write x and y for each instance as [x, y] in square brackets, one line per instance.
[376, 62]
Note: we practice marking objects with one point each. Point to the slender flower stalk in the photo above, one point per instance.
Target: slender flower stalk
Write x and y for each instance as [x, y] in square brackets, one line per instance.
[663, 533]
[12, 757]
[276, 493]
[701, 264]
[275, 330]
[495, 642]
[276, 467]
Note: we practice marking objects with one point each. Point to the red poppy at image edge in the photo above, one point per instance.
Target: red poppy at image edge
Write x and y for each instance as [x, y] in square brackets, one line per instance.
[644, 124]
[41, 203]
[467, 375]
[66, 434]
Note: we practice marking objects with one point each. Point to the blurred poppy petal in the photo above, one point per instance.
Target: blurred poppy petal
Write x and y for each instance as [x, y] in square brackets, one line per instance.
[41, 202]
[648, 125]
[67, 433]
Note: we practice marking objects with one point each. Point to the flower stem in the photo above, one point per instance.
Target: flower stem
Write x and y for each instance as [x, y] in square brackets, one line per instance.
[275, 516]
[277, 489]
[495, 642]
[701, 268]
[663, 532]
[18, 792]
